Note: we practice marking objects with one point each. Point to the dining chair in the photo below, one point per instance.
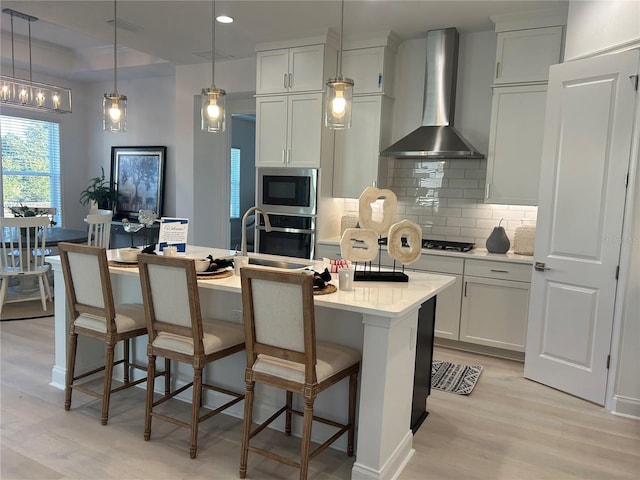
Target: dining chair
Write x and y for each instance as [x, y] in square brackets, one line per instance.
[99, 228]
[24, 238]
[95, 315]
[178, 331]
[282, 352]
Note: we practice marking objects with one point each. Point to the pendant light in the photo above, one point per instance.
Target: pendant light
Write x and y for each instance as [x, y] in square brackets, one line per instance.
[21, 93]
[114, 105]
[338, 94]
[212, 110]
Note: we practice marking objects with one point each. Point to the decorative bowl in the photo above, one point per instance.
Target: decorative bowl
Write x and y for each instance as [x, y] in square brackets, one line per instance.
[128, 254]
[202, 264]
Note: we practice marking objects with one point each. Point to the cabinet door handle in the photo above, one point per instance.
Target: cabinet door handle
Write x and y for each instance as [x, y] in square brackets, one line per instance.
[284, 81]
[379, 80]
[288, 156]
[499, 271]
[465, 288]
[284, 155]
[290, 80]
[486, 191]
[497, 69]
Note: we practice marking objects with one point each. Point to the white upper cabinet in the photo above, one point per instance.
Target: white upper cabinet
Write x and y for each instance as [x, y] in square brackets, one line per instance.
[526, 48]
[357, 149]
[289, 130]
[515, 144]
[371, 69]
[526, 55]
[291, 70]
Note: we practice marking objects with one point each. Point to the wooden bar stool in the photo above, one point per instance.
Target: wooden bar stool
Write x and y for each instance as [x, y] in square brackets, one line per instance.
[177, 331]
[282, 352]
[90, 301]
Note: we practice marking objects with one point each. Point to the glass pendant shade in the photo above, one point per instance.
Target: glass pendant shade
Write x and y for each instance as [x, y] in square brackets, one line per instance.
[338, 103]
[213, 110]
[114, 113]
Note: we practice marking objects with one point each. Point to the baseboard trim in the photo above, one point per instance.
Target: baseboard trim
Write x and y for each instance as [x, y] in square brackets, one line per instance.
[482, 349]
[626, 407]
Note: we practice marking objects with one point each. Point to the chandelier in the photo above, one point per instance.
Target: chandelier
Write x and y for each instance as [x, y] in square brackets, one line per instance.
[22, 93]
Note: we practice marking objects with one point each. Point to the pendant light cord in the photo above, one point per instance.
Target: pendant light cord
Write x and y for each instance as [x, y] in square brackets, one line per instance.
[115, 42]
[213, 44]
[340, 51]
[13, 57]
[30, 68]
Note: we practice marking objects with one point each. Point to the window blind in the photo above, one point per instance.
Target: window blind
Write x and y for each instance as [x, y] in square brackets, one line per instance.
[30, 164]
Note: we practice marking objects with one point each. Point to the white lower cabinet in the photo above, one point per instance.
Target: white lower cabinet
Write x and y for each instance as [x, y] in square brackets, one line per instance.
[495, 302]
[487, 305]
[448, 301]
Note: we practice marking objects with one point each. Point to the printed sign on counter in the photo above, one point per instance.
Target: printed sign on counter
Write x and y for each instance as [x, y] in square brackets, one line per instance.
[173, 232]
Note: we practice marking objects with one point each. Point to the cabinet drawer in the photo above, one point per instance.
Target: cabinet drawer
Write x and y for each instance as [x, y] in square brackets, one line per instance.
[501, 270]
[439, 263]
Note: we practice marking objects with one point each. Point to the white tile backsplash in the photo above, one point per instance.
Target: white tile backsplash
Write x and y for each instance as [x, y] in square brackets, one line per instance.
[446, 199]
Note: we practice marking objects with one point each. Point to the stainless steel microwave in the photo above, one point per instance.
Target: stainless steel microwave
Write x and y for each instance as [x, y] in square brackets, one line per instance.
[287, 190]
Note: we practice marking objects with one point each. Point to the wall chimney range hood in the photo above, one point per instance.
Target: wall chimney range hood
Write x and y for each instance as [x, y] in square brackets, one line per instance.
[437, 138]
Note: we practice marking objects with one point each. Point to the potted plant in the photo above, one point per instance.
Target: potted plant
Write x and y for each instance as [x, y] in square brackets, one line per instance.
[100, 192]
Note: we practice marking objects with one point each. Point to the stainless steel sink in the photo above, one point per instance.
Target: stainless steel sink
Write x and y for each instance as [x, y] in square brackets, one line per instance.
[278, 263]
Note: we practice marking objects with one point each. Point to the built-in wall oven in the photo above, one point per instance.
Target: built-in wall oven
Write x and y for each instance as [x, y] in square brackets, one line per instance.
[288, 195]
[290, 235]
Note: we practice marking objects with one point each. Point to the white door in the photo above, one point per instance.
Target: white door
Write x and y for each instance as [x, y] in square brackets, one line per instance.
[585, 159]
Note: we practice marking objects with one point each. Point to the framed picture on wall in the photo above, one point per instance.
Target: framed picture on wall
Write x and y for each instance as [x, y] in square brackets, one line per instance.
[138, 176]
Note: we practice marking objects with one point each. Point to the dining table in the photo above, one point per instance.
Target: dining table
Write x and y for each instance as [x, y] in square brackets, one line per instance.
[58, 234]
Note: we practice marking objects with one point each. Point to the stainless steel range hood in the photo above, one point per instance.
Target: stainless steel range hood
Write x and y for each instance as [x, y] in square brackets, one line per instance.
[436, 138]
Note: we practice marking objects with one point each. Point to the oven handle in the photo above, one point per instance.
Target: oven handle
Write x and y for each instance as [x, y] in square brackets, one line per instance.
[286, 230]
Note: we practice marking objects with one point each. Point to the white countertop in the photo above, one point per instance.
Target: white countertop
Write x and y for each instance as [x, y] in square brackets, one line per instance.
[386, 299]
[478, 253]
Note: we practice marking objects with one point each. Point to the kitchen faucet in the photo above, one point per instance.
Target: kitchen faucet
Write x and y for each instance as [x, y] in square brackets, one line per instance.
[243, 248]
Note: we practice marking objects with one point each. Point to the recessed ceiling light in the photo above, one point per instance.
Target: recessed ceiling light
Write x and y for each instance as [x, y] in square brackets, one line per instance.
[224, 19]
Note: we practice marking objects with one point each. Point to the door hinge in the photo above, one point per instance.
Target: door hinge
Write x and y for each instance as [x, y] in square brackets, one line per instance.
[608, 361]
[617, 271]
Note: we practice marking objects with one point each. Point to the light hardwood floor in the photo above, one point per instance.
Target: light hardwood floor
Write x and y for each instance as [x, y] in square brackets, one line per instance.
[508, 428]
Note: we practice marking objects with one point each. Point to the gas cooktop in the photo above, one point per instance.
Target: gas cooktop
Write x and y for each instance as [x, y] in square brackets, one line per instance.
[447, 245]
[440, 245]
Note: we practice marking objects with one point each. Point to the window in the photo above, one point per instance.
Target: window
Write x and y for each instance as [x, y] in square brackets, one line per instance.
[30, 164]
[235, 183]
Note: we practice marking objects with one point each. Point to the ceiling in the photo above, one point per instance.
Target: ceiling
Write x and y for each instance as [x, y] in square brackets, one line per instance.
[172, 33]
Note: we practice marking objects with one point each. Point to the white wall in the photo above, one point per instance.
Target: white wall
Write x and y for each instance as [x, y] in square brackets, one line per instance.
[603, 27]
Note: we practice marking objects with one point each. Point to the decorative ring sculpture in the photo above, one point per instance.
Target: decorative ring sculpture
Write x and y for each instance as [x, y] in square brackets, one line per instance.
[389, 206]
[360, 253]
[413, 233]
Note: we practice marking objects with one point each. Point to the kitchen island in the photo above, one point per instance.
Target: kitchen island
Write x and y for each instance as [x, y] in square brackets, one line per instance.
[378, 318]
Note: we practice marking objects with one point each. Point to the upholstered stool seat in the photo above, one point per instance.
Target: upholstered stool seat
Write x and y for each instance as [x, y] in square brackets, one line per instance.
[129, 316]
